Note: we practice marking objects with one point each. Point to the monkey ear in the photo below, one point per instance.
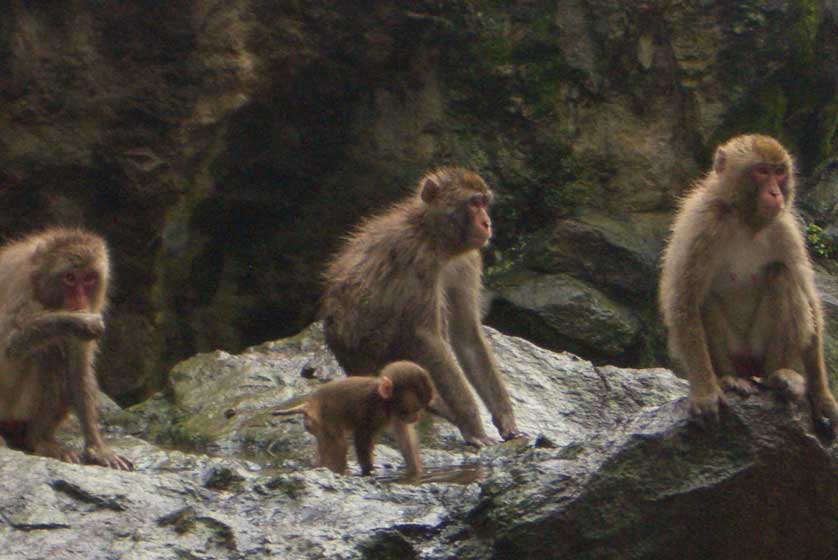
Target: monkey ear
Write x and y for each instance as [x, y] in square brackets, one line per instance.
[430, 189]
[385, 388]
[719, 161]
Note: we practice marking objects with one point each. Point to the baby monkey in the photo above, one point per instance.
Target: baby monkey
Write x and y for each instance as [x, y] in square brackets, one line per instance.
[362, 407]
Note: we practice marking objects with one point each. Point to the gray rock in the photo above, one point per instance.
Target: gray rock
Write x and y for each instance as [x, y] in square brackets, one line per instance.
[611, 469]
[562, 312]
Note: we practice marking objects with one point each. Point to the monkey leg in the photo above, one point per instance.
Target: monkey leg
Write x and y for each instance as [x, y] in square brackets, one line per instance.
[331, 451]
[783, 324]
[48, 328]
[48, 412]
[788, 326]
[405, 435]
[433, 353]
[364, 446]
[723, 342]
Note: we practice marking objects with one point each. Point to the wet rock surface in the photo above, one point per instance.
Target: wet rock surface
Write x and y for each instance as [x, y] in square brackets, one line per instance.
[611, 468]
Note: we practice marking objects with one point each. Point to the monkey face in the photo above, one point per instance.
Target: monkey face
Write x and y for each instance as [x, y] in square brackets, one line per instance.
[72, 278]
[479, 223]
[78, 287]
[770, 181]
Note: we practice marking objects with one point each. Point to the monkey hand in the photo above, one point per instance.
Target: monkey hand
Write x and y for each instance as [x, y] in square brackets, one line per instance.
[103, 456]
[506, 427]
[704, 407]
[86, 326]
[825, 414]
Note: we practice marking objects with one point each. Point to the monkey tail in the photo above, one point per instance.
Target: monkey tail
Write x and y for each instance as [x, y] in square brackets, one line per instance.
[299, 409]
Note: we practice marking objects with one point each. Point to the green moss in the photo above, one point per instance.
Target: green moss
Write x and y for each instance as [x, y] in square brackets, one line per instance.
[796, 102]
[819, 245]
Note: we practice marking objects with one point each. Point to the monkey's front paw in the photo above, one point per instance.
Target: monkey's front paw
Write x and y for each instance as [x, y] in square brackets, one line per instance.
[825, 415]
[507, 428]
[104, 457]
[738, 385]
[92, 327]
[704, 409]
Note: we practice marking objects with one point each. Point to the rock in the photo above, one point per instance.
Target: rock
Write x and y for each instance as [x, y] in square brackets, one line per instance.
[559, 311]
[611, 469]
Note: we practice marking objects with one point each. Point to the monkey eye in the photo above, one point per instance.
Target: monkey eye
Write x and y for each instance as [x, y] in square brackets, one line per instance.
[90, 278]
[69, 278]
[479, 201]
[763, 169]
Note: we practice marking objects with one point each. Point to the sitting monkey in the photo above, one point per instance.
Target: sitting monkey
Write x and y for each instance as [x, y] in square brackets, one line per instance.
[362, 407]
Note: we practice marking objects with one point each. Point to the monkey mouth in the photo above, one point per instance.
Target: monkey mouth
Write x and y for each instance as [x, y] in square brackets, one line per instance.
[770, 211]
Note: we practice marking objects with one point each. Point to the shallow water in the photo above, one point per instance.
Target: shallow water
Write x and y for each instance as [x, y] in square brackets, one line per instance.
[464, 473]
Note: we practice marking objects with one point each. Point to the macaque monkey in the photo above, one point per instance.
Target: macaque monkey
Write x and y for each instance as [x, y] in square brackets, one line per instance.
[737, 291]
[406, 286]
[52, 294]
[362, 407]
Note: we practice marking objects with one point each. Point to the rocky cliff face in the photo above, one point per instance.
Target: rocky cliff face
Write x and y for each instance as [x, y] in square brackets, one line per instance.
[223, 148]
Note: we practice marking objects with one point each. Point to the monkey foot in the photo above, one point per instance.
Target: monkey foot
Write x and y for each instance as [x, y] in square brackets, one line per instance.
[479, 441]
[743, 387]
[787, 382]
[104, 457]
[57, 451]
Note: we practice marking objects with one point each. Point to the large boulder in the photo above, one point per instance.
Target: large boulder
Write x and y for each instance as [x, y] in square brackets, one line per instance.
[611, 468]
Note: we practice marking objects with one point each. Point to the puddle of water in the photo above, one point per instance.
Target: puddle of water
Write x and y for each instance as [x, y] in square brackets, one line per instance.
[465, 473]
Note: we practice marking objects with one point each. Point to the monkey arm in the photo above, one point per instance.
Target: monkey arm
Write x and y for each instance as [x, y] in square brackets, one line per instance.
[83, 392]
[691, 262]
[46, 328]
[480, 368]
[432, 352]
[462, 292]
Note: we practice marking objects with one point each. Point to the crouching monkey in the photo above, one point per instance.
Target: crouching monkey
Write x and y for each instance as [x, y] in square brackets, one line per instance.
[52, 294]
[737, 290]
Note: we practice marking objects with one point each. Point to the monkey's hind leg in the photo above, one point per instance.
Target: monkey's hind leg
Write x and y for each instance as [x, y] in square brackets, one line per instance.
[47, 414]
[722, 342]
[783, 326]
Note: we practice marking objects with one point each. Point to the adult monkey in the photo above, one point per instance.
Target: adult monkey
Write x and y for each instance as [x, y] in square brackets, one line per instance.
[407, 283]
[737, 292]
[52, 293]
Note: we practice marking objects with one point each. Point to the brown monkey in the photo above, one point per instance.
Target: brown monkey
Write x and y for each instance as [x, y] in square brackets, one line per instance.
[363, 406]
[737, 291]
[406, 286]
[52, 294]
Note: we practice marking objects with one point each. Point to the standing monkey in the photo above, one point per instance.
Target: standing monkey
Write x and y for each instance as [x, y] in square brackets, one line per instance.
[363, 406]
[406, 286]
[737, 291]
[52, 293]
